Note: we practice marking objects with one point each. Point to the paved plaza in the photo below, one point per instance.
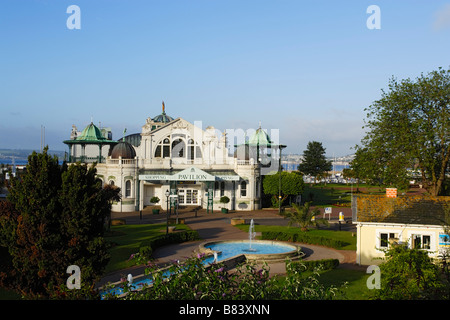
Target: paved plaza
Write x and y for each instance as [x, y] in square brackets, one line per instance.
[217, 226]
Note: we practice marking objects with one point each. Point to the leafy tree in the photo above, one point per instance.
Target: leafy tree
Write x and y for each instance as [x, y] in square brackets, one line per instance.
[314, 162]
[409, 127]
[291, 185]
[54, 218]
[303, 216]
[410, 274]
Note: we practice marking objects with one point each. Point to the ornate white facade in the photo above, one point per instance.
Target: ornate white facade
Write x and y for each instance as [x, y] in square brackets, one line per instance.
[174, 155]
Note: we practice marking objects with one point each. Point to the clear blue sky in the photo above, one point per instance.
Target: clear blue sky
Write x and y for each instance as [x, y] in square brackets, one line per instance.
[307, 68]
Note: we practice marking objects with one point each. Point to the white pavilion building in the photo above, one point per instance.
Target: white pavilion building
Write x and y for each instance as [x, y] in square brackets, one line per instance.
[174, 155]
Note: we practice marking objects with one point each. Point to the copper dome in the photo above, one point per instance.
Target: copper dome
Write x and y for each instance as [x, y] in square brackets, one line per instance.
[123, 149]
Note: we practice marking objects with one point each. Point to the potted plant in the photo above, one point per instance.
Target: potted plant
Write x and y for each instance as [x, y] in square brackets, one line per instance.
[224, 200]
[155, 200]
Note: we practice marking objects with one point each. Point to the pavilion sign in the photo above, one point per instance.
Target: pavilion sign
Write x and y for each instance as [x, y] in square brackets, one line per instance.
[189, 174]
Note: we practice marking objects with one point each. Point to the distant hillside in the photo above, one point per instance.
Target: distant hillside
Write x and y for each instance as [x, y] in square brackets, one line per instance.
[22, 154]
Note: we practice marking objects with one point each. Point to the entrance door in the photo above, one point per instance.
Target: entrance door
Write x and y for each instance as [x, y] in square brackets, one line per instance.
[188, 197]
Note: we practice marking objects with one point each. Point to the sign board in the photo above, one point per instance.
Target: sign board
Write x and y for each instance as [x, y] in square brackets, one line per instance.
[189, 174]
[228, 178]
[154, 177]
[444, 240]
[328, 212]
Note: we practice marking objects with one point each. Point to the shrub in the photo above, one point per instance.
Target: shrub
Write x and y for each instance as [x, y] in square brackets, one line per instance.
[193, 280]
[224, 199]
[154, 200]
[303, 237]
[325, 264]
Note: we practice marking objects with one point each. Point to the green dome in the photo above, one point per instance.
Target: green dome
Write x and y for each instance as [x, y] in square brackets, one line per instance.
[91, 133]
[163, 118]
[260, 138]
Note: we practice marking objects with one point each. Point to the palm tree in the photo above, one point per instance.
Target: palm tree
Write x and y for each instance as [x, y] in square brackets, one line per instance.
[303, 216]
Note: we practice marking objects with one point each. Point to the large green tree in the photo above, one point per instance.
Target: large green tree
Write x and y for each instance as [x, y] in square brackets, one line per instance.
[409, 128]
[314, 162]
[54, 218]
[291, 185]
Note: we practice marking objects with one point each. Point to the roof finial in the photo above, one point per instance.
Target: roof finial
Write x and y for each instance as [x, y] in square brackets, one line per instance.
[163, 107]
[260, 124]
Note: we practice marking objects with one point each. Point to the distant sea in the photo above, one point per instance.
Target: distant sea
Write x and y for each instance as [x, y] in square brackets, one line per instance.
[18, 162]
[293, 167]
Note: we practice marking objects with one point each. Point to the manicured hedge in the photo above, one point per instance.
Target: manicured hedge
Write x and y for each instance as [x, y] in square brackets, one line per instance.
[325, 264]
[146, 248]
[303, 237]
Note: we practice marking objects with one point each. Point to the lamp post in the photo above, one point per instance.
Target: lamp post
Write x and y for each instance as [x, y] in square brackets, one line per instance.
[279, 182]
[176, 205]
[167, 211]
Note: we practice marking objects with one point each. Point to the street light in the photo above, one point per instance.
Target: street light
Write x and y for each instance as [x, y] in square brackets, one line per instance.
[279, 182]
[167, 211]
[176, 204]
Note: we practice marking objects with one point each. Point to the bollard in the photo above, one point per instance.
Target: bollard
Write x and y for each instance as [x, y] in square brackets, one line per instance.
[341, 217]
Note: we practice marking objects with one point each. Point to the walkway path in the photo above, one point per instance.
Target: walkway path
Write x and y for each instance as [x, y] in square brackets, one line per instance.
[217, 226]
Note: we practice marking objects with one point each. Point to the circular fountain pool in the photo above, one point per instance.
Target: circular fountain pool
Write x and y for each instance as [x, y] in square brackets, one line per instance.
[259, 250]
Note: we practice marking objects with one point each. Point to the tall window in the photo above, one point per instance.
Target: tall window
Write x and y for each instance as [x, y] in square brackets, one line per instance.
[243, 189]
[191, 149]
[178, 147]
[222, 188]
[216, 188]
[385, 238]
[128, 189]
[420, 241]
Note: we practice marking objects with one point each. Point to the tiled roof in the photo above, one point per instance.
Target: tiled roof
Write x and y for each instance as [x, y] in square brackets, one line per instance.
[423, 210]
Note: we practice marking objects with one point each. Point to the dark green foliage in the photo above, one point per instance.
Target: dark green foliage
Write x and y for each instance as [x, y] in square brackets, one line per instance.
[409, 127]
[410, 274]
[54, 218]
[291, 185]
[303, 216]
[314, 162]
[302, 237]
[193, 280]
[322, 265]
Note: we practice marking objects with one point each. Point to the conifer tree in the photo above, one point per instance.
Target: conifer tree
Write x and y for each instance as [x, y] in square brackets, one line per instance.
[54, 218]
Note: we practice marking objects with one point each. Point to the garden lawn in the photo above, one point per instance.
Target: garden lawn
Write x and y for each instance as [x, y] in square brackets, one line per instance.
[356, 283]
[127, 239]
[345, 236]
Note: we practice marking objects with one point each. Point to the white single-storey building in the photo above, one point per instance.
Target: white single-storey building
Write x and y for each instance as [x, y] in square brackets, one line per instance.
[417, 221]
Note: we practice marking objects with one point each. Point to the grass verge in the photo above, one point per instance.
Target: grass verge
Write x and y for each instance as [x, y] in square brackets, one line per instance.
[344, 236]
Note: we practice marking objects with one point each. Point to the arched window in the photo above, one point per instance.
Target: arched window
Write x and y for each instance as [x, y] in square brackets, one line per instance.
[178, 147]
[128, 189]
[163, 149]
[166, 148]
[243, 189]
[111, 183]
